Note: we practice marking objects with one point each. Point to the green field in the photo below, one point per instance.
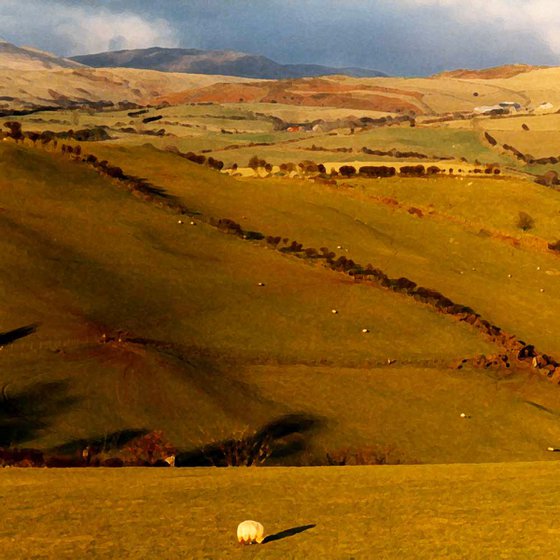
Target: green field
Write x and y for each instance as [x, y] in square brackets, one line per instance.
[419, 512]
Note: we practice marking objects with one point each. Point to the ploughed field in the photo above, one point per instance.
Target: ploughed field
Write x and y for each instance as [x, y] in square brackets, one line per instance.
[391, 512]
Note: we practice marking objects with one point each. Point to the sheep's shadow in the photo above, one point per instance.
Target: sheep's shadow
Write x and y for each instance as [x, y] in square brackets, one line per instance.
[288, 533]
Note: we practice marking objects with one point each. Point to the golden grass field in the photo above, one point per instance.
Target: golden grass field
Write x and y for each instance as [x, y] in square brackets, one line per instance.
[443, 512]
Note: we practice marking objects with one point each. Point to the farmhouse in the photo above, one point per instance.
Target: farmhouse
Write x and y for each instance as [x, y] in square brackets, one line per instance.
[502, 108]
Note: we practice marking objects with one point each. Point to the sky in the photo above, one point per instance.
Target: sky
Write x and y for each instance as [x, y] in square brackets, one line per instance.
[400, 37]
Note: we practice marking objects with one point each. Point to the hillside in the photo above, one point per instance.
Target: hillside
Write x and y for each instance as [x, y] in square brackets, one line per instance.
[208, 335]
[63, 88]
[26, 58]
[227, 63]
[505, 71]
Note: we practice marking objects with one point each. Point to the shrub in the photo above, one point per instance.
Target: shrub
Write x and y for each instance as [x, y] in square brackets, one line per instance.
[377, 171]
[554, 246]
[15, 130]
[549, 178]
[412, 170]
[148, 449]
[347, 171]
[525, 222]
[491, 140]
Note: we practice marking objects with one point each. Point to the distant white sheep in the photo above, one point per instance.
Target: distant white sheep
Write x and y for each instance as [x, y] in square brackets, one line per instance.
[249, 532]
[365, 330]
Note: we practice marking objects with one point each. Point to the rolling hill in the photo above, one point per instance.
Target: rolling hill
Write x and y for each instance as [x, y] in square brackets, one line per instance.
[123, 317]
[227, 63]
[27, 58]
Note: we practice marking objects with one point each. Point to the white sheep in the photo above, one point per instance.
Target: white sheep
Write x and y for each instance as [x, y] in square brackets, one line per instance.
[249, 532]
[170, 460]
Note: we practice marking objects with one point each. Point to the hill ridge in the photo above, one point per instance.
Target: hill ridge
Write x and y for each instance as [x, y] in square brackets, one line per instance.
[223, 62]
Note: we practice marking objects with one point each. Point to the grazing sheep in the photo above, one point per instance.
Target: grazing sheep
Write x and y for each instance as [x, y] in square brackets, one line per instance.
[249, 532]
[553, 449]
[193, 223]
[261, 284]
[179, 221]
[334, 311]
[542, 290]
[365, 330]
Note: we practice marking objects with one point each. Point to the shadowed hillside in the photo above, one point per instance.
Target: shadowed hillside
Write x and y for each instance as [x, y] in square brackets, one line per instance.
[152, 323]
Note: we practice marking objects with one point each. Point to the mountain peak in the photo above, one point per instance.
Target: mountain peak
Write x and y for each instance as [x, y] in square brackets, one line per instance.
[223, 62]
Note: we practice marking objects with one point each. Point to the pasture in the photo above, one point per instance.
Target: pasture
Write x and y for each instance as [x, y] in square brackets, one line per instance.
[419, 512]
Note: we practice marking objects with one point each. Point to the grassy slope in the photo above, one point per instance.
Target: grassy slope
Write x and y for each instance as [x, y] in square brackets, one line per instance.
[417, 512]
[81, 257]
[430, 252]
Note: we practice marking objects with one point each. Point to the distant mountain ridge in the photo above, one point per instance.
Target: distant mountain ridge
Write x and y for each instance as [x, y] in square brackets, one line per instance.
[28, 58]
[226, 63]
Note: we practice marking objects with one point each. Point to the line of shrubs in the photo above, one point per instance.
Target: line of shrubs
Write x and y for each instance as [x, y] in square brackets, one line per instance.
[199, 159]
[404, 155]
[150, 449]
[515, 349]
[527, 158]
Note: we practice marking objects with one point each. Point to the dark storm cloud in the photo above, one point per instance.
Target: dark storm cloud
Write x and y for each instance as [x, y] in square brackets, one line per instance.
[398, 36]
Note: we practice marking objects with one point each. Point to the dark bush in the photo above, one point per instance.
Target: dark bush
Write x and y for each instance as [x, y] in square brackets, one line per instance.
[491, 140]
[549, 179]
[347, 171]
[412, 170]
[152, 119]
[525, 222]
[377, 171]
[15, 130]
